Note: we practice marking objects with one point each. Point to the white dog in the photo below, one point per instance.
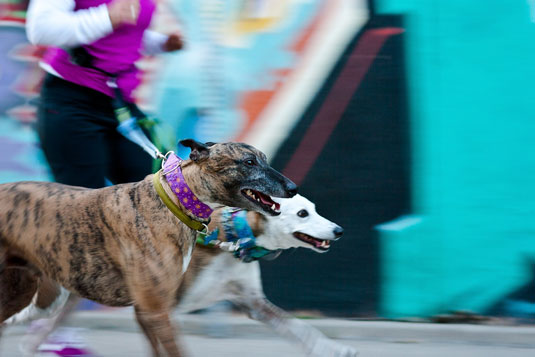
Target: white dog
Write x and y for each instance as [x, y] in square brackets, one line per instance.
[216, 274]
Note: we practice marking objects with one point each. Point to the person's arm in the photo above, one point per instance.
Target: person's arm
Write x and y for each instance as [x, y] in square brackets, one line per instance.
[54, 23]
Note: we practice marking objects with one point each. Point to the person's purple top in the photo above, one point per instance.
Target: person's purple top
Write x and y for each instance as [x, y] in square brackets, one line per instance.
[115, 53]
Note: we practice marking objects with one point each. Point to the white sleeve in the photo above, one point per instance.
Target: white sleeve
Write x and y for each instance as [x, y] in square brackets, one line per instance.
[55, 23]
[153, 42]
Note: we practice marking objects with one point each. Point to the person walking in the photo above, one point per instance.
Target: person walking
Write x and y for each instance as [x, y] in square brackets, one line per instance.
[94, 45]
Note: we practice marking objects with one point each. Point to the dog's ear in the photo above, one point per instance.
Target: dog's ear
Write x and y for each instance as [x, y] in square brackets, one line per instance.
[199, 150]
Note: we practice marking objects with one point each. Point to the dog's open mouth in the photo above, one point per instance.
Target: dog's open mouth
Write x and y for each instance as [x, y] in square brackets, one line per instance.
[320, 244]
[263, 200]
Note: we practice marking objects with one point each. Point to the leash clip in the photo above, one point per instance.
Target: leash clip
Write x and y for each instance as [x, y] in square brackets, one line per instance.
[205, 230]
[158, 154]
[164, 159]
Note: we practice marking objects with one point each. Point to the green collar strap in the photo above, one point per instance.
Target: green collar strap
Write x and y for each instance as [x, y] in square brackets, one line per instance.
[173, 207]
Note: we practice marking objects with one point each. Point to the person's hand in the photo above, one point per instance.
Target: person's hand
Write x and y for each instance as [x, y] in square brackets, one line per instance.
[123, 12]
[173, 43]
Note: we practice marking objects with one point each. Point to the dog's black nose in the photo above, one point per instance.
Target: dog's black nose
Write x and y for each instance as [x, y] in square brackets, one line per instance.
[291, 189]
[338, 231]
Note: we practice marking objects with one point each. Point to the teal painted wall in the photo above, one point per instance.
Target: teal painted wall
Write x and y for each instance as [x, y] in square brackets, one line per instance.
[472, 102]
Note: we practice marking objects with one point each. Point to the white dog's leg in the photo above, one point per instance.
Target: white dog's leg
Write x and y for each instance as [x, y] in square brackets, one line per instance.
[33, 340]
[314, 342]
[33, 312]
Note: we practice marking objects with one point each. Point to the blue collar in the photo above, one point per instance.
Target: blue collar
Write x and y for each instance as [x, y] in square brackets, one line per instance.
[238, 231]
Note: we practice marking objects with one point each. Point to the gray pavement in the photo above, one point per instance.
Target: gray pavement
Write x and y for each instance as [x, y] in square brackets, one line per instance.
[115, 333]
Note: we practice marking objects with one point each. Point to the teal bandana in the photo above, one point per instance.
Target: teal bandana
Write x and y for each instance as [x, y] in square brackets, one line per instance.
[238, 232]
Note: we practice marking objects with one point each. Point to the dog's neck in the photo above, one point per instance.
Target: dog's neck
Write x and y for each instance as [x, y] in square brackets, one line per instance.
[255, 220]
[228, 226]
[203, 184]
[177, 186]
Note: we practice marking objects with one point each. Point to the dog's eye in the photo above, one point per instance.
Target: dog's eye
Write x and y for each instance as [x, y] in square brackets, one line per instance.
[250, 162]
[303, 213]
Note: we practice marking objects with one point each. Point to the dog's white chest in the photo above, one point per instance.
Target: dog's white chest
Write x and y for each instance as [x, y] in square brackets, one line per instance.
[187, 259]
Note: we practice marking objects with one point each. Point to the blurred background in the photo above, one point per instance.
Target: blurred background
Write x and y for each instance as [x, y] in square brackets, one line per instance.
[408, 122]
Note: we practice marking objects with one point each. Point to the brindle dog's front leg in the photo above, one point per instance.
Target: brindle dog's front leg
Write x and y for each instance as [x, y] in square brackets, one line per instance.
[153, 282]
[147, 331]
[157, 327]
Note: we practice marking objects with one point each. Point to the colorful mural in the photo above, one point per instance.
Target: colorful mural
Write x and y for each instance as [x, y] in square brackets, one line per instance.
[20, 78]
[245, 58]
[247, 72]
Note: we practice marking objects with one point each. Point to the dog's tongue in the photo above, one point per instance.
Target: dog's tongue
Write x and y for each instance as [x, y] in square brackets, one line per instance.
[267, 200]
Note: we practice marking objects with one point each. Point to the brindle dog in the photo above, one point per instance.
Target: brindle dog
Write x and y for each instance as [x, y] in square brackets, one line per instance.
[121, 245]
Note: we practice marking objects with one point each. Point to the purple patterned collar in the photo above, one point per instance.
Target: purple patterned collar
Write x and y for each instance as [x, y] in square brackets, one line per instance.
[173, 173]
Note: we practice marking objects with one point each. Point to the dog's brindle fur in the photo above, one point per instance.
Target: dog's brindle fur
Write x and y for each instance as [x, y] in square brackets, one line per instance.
[120, 245]
[215, 275]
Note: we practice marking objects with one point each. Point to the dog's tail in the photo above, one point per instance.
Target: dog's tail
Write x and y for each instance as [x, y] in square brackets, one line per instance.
[33, 312]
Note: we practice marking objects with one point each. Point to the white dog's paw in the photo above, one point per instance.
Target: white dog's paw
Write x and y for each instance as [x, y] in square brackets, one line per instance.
[329, 348]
